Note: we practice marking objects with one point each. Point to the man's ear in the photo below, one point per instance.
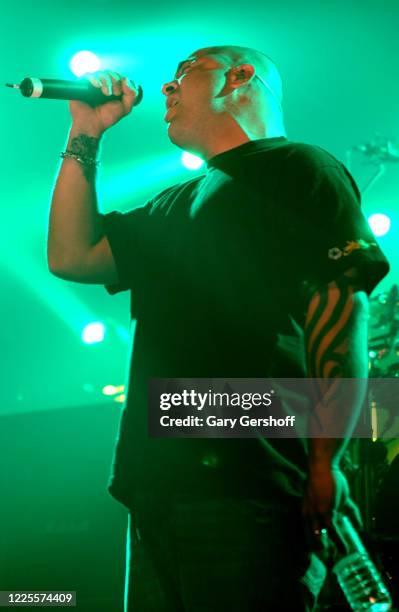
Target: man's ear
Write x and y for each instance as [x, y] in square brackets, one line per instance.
[240, 75]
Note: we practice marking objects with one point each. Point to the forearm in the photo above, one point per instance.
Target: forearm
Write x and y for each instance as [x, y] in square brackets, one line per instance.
[336, 343]
[75, 224]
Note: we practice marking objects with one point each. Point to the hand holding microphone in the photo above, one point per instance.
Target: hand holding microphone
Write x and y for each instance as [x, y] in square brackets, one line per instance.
[122, 95]
[97, 101]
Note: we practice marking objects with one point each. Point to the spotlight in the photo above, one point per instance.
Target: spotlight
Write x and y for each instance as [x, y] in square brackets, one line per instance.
[380, 224]
[112, 389]
[109, 390]
[84, 61]
[93, 333]
[190, 161]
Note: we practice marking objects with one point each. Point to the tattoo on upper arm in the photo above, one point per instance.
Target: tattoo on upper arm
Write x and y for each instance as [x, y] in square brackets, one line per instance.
[327, 325]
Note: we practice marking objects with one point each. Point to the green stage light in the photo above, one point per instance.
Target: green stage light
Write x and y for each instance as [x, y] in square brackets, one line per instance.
[122, 183]
[380, 224]
[93, 333]
[34, 275]
[113, 390]
[84, 61]
[190, 161]
[109, 390]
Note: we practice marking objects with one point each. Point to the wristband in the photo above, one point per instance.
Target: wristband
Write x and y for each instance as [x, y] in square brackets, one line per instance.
[85, 161]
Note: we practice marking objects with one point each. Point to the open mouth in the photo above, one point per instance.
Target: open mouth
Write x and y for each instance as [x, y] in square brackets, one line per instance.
[169, 110]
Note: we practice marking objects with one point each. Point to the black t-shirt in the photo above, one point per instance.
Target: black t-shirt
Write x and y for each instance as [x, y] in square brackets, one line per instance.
[221, 269]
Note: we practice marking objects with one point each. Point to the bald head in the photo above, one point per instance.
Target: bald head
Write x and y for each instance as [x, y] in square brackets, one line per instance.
[222, 96]
[263, 64]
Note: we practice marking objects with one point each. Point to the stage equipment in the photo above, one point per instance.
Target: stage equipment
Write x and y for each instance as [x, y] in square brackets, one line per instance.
[378, 152]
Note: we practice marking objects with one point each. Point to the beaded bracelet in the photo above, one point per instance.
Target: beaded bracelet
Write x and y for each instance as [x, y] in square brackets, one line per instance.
[85, 161]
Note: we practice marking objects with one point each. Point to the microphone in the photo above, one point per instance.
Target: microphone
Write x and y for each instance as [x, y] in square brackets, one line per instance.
[57, 89]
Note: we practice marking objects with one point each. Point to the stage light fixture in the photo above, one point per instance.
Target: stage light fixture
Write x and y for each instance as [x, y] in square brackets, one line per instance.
[380, 224]
[93, 333]
[109, 390]
[112, 389]
[84, 61]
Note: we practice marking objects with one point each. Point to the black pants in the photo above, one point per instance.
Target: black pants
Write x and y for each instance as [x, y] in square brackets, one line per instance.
[216, 555]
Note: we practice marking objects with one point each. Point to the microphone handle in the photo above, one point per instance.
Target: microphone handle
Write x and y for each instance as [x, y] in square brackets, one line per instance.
[57, 89]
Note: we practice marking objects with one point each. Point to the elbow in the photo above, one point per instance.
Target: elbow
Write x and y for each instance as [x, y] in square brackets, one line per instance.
[60, 268]
[52, 264]
[60, 262]
[53, 259]
[67, 269]
[57, 271]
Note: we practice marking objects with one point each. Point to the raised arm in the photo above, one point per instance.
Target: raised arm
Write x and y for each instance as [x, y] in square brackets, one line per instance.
[77, 248]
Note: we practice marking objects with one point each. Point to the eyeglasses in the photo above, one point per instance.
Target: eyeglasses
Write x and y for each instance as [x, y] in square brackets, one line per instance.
[180, 74]
[266, 84]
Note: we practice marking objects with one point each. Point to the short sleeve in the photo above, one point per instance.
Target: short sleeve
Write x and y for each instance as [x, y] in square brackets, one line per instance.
[335, 234]
[126, 233]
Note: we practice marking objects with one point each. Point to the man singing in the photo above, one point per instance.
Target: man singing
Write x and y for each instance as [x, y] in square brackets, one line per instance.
[258, 268]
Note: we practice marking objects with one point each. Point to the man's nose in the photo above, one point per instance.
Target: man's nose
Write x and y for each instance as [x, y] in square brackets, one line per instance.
[169, 88]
